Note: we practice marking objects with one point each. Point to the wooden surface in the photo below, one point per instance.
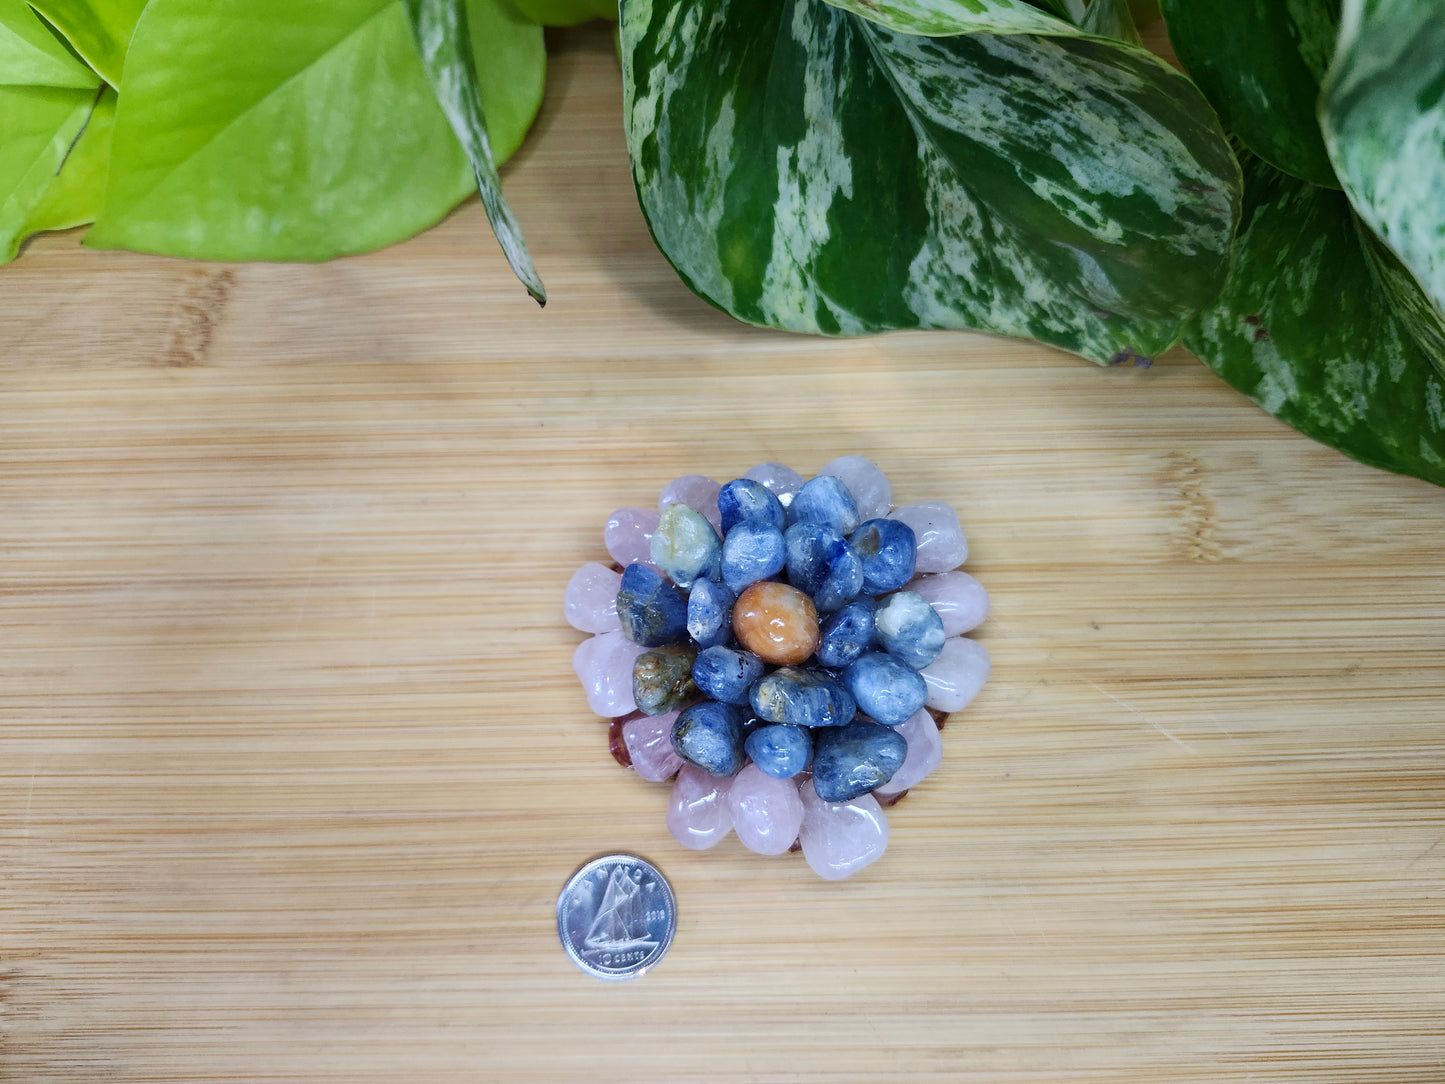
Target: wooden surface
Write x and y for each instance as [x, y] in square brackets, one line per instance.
[292, 763]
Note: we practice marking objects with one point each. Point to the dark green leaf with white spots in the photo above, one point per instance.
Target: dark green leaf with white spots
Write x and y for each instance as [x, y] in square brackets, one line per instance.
[1383, 113]
[936, 18]
[1106, 18]
[1260, 62]
[1416, 312]
[1305, 330]
[443, 39]
[806, 169]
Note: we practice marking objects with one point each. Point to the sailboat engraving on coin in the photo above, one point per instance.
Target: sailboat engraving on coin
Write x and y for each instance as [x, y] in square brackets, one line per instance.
[616, 916]
[618, 926]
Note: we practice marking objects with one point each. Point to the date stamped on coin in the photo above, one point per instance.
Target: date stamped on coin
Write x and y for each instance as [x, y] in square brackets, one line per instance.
[616, 917]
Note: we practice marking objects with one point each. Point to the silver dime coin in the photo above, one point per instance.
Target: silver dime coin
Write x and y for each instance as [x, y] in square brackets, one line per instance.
[616, 916]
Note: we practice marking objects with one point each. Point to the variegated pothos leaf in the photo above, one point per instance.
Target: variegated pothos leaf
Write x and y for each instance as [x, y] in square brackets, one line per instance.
[944, 18]
[806, 169]
[936, 18]
[1105, 18]
[1383, 115]
[1259, 62]
[1305, 330]
[440, 29]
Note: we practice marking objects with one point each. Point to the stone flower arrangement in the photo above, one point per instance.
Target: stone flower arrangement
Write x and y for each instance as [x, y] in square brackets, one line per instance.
[783, 651]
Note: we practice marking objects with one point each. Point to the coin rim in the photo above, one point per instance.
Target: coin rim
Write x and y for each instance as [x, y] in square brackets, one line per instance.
[571, 950]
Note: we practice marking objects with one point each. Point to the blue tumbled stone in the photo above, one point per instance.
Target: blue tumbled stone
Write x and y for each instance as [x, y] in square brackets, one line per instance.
[886, 689]
[745, 501]
[825, 499]
[710, 613]
[752, 552]
[823, 566]
[801, 698]
[725, 674]
[709, 735]
[780, 750]
[908, 628]
[652, 611]
[852, 760]
[888, 551]
[685, 546]
[846, 635]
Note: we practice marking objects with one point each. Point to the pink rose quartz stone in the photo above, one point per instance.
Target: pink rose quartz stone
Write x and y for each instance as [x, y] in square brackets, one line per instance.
[604, 666]
[925, 752]
[697, 814]
[957, 597]
[840, 838]
[941, 545]
[628, 536]
[779, 480]
[766, 812]
[956, 676]
[590, 602]
[698, 493]
[870, 487]
[649, 743]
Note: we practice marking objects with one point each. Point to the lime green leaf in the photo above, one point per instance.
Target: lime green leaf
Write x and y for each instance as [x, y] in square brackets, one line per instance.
[99, 30]
[565, 12]
[38, 125]
[294, 129]
[1304, 330]
[510, 58]
[806, 169]
[440, 29]
[31, 55]
[1383, 113]
[1259, 62]
[73, 198]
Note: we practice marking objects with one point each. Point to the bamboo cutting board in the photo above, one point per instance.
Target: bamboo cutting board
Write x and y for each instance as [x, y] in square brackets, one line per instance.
[293, 765]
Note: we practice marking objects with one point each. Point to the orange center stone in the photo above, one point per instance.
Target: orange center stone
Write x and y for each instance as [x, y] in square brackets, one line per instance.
[777, 623]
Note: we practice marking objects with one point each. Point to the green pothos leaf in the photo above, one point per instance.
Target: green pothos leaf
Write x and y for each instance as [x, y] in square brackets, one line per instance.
[806, 169]
[442, 38]
[296, 129]
[73, 198]
[1383, 113]
[31, 55]
[99, 30]
[38, 128]
[565, 12]
[1106, 18]
[1304, 329]
[1260, 62]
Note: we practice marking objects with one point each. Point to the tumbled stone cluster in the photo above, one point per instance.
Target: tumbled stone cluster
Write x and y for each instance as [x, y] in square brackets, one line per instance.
[774, 646]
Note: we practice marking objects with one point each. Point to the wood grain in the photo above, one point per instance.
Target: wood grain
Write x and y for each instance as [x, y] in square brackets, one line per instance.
[292, 765]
